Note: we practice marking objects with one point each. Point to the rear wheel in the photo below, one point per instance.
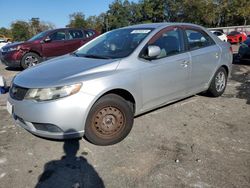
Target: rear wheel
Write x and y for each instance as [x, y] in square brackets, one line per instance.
[218, 84]
[30, 59]
[109, 121]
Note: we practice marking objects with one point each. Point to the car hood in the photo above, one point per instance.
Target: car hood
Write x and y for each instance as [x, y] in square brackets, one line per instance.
[64, 70]
[10, 45]
[22, 44]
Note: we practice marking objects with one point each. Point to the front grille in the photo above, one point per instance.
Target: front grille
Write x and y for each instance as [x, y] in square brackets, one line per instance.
[17, 92]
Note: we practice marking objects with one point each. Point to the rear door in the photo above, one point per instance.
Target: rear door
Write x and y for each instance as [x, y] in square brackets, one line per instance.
[56, 45]
[75, 39]
[205, 57]
[166, 76]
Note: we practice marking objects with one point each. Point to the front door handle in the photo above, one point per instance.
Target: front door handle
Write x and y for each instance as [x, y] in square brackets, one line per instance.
[185, 63]
[216, 55]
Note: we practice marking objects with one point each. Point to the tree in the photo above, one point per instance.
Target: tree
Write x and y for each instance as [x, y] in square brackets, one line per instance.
[6, 32]
[37, 26]
[97, 22]
[77, 20]
[243, 9]
[34, 26]
[20, 31]
[119, 14]
[209, 13]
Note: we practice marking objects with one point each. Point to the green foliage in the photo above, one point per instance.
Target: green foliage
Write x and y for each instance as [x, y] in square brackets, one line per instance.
[118, 14]
[6, 32]
[97, 22]
[36, 26]
[20, 31]
[209, 13]
[77, 20]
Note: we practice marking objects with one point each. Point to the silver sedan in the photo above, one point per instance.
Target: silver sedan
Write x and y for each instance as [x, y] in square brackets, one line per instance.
[97, 90]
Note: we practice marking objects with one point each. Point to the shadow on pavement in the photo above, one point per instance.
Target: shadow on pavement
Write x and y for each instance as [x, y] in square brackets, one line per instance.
[70, 171]
[243, 91]
[16, 69]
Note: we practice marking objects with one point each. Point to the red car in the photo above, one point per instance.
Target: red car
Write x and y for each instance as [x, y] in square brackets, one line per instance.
[45, 45]
[236, 37]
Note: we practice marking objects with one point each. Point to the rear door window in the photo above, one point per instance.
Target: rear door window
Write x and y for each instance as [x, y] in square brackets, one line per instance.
[75, 34]
[89, 33]
[198, 39]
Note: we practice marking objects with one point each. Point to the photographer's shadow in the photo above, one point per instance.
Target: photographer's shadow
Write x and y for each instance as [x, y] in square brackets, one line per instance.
[69, 172]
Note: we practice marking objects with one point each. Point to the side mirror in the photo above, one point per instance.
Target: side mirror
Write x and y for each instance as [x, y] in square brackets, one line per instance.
[153, 51]
[47, 39]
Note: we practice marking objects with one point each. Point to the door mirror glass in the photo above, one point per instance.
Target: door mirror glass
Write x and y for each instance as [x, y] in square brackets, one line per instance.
[47, 39]
[153, 51]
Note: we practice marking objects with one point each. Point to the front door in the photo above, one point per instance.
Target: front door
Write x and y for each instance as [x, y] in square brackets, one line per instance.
[76, 38]
[56, 46]
[166, 77]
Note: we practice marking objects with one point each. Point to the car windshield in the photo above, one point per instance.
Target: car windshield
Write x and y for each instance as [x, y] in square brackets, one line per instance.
[234, 33]
[114, 44]
[39, 36]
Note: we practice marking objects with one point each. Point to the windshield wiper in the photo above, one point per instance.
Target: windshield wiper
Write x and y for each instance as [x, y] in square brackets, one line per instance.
[94, 56]
[75, 54]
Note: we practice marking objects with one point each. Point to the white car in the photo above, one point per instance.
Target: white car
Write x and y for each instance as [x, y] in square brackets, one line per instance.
[3, 43]
[220, 35]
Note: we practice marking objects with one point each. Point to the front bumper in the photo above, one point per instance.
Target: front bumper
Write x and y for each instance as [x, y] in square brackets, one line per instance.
[66, 116]
[11, 59]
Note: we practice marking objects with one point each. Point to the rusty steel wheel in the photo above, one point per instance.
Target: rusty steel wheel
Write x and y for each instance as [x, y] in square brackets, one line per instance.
[109, 121]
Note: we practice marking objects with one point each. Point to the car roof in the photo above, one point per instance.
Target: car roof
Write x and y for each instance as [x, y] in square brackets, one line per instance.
[215, 31]
[160, 25]
[66, 28]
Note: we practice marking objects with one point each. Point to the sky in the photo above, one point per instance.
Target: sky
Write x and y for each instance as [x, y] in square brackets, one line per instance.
[54, 11]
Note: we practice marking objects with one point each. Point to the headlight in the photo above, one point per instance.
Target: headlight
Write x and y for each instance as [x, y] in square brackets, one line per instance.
[13, 49]
[46, 94]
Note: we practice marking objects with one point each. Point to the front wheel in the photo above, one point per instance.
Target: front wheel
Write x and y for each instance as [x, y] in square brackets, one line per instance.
[109, 121]
[218, 84]
[30, 59]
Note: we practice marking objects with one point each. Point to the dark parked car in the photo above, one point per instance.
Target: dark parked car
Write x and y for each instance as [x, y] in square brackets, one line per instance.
[45, 45]
[244, 51]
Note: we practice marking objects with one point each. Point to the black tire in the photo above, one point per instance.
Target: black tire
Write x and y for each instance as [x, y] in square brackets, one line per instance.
[109, 121]
[213, 89]
[34, 60]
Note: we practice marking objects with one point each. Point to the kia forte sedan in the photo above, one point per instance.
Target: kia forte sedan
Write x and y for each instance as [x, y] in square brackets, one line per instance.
[96, 91]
